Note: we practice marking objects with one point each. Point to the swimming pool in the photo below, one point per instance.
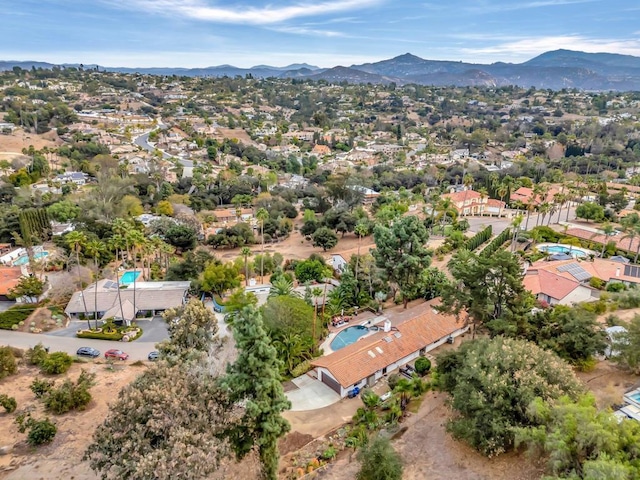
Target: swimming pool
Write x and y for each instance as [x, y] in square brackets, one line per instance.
[24, 259]
[129, 277]
[348, 336]
[575, 252]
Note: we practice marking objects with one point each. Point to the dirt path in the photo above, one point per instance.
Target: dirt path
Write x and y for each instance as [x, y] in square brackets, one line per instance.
[429, 452]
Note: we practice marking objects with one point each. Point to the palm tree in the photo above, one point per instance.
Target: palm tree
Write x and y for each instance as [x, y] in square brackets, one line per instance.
[282, 286]
[76, 241]
[117, 243]
[467, 181]
[607, 230]
[135, 239]
[94, 249]
[246, 253]
[262, 215]
[629, 226]
[515, 224]
[361, 230]
[315, 292]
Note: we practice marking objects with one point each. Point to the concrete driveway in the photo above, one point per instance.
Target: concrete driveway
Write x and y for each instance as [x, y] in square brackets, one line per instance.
[311, 394]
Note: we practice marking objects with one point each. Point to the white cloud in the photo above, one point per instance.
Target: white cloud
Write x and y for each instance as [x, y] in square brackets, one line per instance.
[314, 32]
[240, 13]
[527, 47]
[515, 5]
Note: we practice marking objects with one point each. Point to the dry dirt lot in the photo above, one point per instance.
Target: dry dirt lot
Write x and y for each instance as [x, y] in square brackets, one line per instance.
[18, 140]
[63, 457]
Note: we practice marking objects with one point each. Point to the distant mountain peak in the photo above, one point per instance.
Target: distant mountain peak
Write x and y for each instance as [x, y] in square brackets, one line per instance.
[408, 57]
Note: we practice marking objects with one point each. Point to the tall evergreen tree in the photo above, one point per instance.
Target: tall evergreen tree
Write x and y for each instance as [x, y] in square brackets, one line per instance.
[254, 381]
[400, 251]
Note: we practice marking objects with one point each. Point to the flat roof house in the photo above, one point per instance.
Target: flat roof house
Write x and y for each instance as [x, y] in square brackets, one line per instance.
[150, 297]
[366, 361]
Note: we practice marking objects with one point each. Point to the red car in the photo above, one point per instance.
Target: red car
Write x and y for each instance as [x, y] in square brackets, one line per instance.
[113, 353]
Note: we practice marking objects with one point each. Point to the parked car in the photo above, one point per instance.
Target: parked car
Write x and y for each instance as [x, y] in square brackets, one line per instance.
[87, 352]
[114, 353]
[155, 355]
[385, 396]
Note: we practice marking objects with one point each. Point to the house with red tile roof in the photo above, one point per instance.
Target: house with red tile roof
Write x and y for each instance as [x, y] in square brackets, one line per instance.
[467, 202]
[9, 278]
[554, 289]
[525, 195]
[372, 357]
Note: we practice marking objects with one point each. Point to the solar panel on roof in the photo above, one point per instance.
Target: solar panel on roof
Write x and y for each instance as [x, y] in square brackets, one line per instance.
[110, 284]
[632, 271]
[576, 271]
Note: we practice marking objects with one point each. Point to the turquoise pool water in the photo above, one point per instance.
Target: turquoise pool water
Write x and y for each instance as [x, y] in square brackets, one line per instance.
[348, 336]
[24, 259]
[129, 277]
[636, 397]
[561, 249]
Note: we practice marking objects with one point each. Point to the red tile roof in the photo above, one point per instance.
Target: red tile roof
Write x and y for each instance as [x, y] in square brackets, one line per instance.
[363, 358]
[555, 286]
[9, 278]
[457, 197]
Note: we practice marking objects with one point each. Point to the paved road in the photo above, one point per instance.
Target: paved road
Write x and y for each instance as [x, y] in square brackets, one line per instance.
[137, 350]
[143, 141]
[64, 340]
[500, 224]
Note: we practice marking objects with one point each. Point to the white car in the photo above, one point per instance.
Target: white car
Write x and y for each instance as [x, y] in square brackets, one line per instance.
[385, 396]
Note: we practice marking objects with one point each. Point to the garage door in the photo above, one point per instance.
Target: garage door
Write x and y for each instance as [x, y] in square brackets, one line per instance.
[327, 380]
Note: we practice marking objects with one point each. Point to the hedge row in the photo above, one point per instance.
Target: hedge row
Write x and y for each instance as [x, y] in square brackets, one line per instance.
[16, 314]
[116, 336]
[479, 238]
[496, 243]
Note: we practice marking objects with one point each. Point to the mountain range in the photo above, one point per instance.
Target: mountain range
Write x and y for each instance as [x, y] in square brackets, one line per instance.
[554, 70]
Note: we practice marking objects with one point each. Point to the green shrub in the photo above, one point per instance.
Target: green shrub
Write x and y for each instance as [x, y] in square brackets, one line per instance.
[370, 399]
[301, 368]
[16, 314]
[8, 403]
[70, 396]
[422, 365]
[496, 243]
[8, 365]
[596, 282]
[479, 238]
[56, 363]
[41, 387]
[329, 453]
[40, 431]
[112, 333]
[616, 287]
[37, 355]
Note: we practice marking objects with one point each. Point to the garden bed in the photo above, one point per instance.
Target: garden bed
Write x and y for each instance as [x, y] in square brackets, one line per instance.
[15, 317]
[113, 333]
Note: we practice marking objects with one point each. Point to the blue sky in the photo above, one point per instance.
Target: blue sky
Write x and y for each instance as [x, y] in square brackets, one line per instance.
[198, 33]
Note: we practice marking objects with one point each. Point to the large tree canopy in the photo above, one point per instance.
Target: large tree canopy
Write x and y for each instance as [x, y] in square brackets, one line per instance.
[493, 381]
[489, 289]
[400, 251]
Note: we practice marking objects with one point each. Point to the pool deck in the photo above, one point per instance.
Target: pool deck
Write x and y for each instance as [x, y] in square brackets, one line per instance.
[394, 314]
[584, 251]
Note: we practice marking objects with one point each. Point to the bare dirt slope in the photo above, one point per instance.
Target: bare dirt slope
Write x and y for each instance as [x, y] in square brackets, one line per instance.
[63, 457]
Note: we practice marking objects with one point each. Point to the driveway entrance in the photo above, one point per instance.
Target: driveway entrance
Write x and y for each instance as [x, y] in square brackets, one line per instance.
[311, 394]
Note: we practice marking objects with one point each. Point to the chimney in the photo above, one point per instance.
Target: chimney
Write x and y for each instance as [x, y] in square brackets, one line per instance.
[387, 326]
[617, 271]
